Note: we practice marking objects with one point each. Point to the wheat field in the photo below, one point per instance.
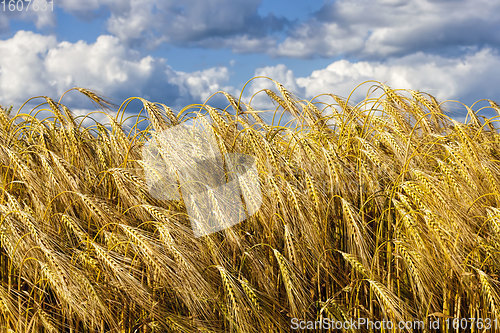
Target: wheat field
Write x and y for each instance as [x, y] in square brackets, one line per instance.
[386, 209]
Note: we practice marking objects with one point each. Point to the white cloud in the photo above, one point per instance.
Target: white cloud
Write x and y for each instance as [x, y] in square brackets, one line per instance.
[45, 15]
[476, 75]
[34, 64]
[201, 84]
[133, 23]
[324, 39]
[360, 29]
[212, 23]
[279, 73]
[467, 78]
[105, 65]
[383, 28]
[22, 70]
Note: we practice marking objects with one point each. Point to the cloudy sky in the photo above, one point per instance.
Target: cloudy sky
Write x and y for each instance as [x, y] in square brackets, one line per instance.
[180, 52]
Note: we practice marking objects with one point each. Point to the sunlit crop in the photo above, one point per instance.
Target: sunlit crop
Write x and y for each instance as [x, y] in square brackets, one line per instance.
[385, 209]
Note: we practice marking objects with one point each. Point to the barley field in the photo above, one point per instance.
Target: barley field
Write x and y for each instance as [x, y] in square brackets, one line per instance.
[386, 209]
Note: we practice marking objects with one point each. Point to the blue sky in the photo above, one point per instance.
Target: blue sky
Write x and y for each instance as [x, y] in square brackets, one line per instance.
[179, 53]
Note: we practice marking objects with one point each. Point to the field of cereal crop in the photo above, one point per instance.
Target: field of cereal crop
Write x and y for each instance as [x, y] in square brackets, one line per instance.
[386, 209]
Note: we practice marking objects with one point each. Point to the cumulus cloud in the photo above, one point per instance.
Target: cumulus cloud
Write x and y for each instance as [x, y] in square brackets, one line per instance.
[35, 64]
[22, 70]
[468, 78]
[212, 23]
[356, 29]
[476, 75]
[201, 84]
[384, 28]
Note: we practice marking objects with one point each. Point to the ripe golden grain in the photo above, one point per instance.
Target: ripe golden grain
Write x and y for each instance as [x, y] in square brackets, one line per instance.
[404, 195]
